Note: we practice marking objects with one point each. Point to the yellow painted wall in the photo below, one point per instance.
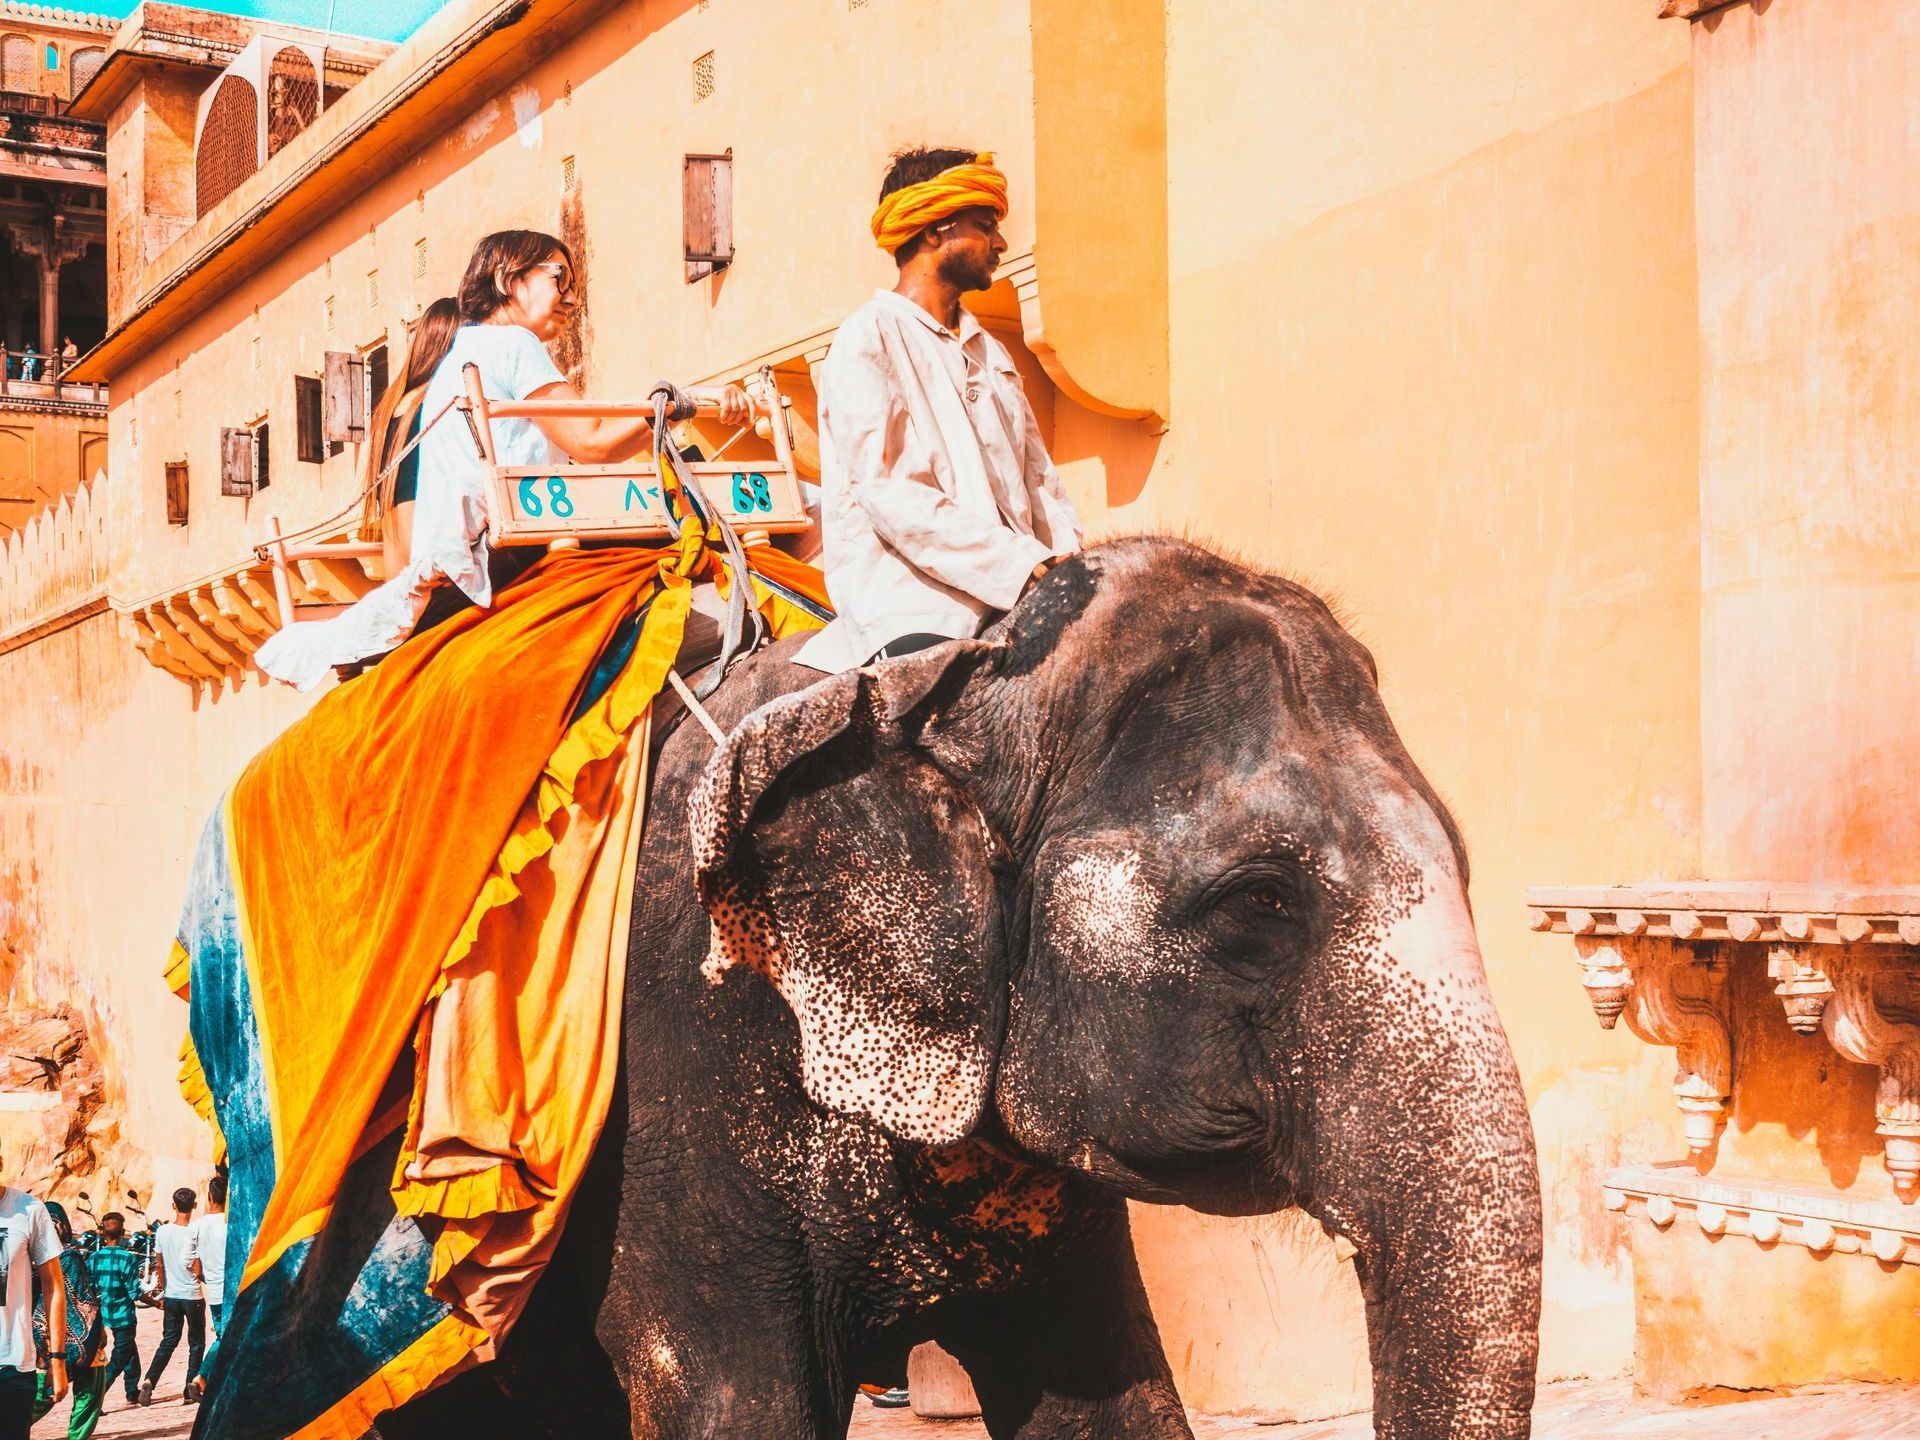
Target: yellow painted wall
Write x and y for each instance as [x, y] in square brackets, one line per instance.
[1433, 348]
[108, 769]
[45, 454]
[1433, 351]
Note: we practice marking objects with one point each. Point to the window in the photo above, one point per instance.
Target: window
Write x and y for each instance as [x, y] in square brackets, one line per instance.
[376, 376]
[343, 407]
[293, 97]
[84, 65]
[706, 213]
[260, 457]
[229, 149]
[16, 64]
[53, 58]
[703, 76]
[176, 492]
[309, 441]
[239, 457]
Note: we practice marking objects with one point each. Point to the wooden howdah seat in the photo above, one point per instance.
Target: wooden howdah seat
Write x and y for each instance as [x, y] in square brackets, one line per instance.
[562, 505]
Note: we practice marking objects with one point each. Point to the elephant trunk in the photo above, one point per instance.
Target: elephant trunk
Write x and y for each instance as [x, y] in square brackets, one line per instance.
[1424, 1159]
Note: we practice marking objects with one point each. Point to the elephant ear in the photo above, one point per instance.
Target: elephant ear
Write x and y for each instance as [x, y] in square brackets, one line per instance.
[833, 856]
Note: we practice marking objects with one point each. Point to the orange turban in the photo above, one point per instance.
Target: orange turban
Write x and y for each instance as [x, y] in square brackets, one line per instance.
[909, 210]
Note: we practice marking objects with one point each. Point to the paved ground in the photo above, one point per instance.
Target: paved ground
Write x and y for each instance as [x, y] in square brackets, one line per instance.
[1587, 1410]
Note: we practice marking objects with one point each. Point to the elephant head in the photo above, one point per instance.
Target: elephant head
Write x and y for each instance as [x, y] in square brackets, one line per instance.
[1146, 885]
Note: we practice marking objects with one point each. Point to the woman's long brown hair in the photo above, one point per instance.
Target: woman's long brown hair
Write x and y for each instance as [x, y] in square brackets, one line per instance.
[427, 346]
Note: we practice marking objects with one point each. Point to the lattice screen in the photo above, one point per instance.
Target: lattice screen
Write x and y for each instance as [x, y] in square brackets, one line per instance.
[293, 97]
[229, 143]
[85, 64]
[18, 68]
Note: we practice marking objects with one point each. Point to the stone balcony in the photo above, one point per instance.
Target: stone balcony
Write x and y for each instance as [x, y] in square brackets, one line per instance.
[1844, 965]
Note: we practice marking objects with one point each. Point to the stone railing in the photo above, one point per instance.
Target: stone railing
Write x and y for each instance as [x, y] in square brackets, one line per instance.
[1846, 965]
[53, 569]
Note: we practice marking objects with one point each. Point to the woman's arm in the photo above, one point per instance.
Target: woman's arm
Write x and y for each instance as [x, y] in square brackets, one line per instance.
[596, 441]
[53, 1285]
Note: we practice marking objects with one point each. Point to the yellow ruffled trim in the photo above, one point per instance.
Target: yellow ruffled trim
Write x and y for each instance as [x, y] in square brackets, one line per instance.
[596, 735]
[179, 970]
[195, 1090]
[493, 1191]
[444, 1350]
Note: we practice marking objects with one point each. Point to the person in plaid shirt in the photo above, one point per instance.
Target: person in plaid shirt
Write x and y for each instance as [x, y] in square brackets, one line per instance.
[116, 1274]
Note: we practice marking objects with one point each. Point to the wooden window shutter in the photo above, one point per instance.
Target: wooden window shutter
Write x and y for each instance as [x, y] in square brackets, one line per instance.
[259, 457]
[237, 453]
[344, 410]
[309, 439]
[176, 492]
[707, 213]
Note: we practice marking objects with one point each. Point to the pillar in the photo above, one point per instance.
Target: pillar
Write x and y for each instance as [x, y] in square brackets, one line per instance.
[52, 244]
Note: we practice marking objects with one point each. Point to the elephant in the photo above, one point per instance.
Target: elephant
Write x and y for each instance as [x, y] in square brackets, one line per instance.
[937, 964]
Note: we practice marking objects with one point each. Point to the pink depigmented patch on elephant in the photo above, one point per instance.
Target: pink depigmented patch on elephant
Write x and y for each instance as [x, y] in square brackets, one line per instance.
[1106, 913]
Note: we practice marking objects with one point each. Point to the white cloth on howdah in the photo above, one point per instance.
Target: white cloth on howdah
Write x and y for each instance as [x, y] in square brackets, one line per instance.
[449, 515]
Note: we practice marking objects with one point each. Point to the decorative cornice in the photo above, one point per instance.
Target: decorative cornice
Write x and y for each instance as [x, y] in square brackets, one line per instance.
[1768, 1215]
[206, 632]
[1759, 912]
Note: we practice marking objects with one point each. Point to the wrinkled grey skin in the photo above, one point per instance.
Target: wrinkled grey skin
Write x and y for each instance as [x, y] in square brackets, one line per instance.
[1140, 897]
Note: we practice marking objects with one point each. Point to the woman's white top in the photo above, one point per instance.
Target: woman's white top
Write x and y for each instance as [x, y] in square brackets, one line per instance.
[449, 515]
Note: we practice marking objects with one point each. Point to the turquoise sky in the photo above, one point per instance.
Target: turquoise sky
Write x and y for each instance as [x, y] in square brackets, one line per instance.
[375, 19]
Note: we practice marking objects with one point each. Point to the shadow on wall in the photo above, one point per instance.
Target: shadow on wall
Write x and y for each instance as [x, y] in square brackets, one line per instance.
[1788, 1086]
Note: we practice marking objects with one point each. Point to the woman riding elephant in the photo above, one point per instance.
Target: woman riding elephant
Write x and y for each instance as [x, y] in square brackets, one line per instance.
[1137, 897]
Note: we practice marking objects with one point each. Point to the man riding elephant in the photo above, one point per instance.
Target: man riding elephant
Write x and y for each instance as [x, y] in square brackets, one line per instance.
[1139, 896]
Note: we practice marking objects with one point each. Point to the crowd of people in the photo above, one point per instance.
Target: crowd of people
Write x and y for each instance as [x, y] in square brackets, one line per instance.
[69, 1305]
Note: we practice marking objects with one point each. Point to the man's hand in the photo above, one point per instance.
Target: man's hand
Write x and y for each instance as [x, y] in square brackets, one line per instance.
[57, 1376]
[735, 406]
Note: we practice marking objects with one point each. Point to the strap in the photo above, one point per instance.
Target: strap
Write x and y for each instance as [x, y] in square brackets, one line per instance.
[693, 704]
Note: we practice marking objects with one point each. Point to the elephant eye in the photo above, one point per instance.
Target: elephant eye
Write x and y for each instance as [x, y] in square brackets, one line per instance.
[1269, 890]
[1269, 895]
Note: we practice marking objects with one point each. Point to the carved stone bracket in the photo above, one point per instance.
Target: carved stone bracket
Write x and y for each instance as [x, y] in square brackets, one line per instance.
[1875, 1019]
[1844, 963]
[1671, 993]
[1803, 984]
[54, 243]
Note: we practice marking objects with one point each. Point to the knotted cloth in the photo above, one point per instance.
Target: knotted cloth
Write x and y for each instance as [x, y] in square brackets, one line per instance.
[910, 209]
[404, 950]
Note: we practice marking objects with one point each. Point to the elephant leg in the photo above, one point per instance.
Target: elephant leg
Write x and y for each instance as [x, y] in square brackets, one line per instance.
[1076, 1358]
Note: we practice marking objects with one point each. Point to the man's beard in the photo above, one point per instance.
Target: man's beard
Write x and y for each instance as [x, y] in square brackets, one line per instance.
[965, 274]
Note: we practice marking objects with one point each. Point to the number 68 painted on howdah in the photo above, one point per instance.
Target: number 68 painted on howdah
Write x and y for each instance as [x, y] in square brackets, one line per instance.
[562, 504]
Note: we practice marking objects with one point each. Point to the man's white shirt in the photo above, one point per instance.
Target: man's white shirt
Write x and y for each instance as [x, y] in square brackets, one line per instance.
[938, 497]
[27, 1239]
[173, 1240]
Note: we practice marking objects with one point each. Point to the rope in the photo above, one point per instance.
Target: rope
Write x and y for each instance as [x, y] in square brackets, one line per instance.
[319, 527]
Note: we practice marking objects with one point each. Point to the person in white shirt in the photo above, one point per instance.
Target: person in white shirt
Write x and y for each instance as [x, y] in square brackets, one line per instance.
[207, 1251]
[939, 504]
[515, 299]
[29, 1245]
[180, 1302]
